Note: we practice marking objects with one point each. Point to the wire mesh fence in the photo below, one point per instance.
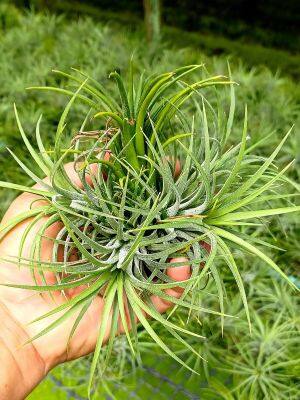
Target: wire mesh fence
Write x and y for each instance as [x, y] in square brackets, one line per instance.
[158, 379]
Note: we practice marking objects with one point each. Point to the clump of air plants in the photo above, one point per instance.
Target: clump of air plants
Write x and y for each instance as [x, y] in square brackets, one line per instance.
[166, 184]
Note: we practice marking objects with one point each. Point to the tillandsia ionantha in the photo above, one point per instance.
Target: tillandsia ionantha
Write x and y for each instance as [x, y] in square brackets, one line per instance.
[166, 184]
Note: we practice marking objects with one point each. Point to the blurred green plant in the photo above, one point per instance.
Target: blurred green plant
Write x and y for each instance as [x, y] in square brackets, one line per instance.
[42, 42]
[10, 16]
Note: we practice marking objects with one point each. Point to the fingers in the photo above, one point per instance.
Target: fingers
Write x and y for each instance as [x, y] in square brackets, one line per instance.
[175, 164]
[74, 177]
[178, 274]
[205, 245]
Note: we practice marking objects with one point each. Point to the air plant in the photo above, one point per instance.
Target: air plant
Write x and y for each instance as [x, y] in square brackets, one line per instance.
[137, 211]
[266, 364]
[263, 365]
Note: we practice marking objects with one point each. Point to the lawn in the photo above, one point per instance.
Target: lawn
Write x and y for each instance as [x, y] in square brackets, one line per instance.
[33, 44]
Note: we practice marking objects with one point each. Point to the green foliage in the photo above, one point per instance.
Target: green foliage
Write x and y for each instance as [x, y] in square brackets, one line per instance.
[34, 47]
[263, 365]
[251, 54]
[272, 105]
[267, 23]
[9, 16]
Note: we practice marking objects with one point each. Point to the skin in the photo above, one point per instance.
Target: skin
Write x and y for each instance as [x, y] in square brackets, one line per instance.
[24, 366]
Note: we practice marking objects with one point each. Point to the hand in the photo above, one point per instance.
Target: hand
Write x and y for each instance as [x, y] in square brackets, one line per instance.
[24, 366]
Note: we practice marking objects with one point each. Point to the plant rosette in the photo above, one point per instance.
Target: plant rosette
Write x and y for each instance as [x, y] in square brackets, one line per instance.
[157, 181]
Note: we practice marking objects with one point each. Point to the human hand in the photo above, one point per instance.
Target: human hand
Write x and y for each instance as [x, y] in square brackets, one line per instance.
[24, 366]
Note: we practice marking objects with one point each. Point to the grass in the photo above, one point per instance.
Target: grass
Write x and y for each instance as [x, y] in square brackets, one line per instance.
[273, 104]
[213, 44]
[35, 46]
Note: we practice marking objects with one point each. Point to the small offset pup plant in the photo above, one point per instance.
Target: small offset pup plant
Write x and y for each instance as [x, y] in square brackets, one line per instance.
[156, 184]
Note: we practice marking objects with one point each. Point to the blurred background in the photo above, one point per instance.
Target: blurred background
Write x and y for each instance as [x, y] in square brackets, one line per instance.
[261, 40]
